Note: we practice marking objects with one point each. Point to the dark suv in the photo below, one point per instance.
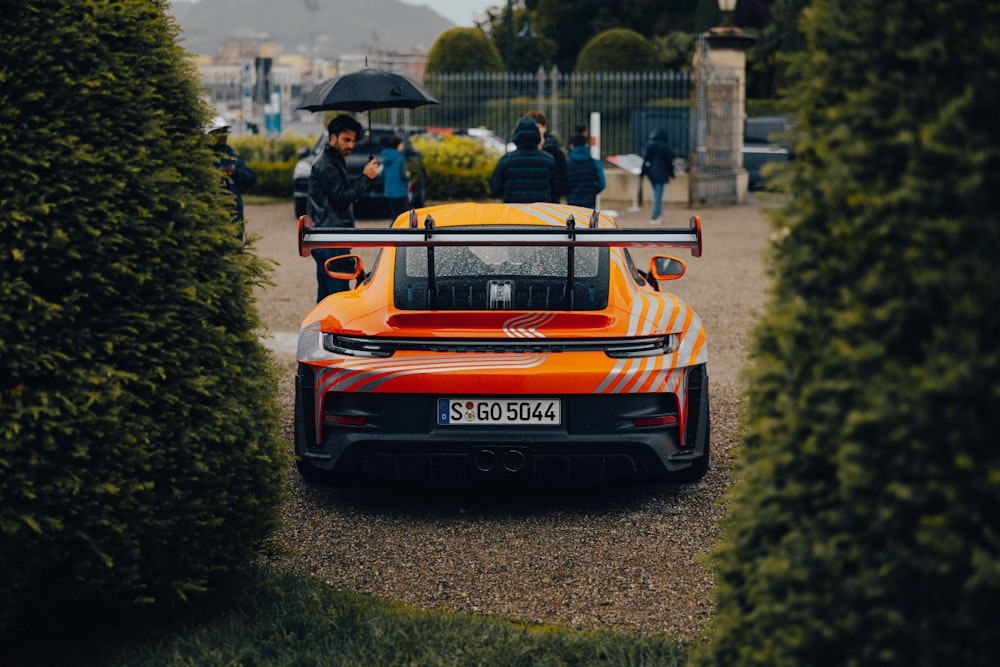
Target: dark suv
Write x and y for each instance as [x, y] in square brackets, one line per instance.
[759, 147]
[372, 204]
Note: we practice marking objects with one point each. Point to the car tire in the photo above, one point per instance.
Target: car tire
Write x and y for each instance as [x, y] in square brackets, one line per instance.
[312, 473]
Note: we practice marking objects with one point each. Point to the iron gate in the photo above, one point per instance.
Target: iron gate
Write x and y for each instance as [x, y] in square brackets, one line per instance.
[714, 158]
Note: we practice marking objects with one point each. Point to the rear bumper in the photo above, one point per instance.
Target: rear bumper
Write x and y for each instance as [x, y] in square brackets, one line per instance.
[598, 441]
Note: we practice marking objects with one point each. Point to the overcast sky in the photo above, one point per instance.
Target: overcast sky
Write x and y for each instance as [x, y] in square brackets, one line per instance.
[462, 13]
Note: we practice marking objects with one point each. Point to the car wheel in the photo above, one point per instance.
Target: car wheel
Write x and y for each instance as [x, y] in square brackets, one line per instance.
[312, 473]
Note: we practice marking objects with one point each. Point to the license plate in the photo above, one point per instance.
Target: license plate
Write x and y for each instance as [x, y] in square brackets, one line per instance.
[499, 411]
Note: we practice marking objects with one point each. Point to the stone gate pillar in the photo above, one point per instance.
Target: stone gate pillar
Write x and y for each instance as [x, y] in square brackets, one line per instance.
[717, 173]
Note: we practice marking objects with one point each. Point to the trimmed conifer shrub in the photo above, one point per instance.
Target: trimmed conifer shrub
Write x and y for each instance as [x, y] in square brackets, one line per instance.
[618, 50]
[140, 452]
[864, 528]
[463, 50]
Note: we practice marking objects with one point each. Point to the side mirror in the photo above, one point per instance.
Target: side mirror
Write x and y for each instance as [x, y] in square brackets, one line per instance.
[344, 267]
[664, 267]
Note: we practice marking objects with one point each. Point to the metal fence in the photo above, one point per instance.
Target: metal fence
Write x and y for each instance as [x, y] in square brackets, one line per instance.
[631, 104]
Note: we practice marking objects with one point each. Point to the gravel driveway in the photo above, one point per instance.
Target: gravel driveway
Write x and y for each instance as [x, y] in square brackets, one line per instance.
[623, 558]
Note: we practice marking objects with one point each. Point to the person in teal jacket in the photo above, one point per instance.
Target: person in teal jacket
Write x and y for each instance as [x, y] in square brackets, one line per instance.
[395, 177]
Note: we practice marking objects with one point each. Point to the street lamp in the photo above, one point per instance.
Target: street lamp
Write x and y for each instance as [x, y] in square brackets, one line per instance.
[727, 7]
[526, 33]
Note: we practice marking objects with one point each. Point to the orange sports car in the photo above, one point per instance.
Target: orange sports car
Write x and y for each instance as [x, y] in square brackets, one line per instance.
[502, 342]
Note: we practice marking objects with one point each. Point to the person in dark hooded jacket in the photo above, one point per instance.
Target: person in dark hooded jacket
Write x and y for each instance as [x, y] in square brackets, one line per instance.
[528, 174]
[586, 175]
[551, 146]
[658, 166]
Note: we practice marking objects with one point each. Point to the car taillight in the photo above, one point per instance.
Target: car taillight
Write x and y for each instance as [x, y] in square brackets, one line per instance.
[650, 346]
[343, 420]
[661, 420]
[354, 347]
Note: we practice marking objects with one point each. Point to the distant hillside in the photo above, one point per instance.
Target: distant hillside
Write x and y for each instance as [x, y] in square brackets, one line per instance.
[337, 26]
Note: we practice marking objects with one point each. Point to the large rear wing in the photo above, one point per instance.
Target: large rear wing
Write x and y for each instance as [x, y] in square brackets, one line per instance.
[525, 235]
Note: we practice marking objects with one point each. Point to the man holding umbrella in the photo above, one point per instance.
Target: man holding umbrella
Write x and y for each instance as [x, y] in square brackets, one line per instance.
[332, 194]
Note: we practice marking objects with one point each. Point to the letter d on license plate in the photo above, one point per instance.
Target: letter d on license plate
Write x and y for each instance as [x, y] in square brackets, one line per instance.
[499, 411]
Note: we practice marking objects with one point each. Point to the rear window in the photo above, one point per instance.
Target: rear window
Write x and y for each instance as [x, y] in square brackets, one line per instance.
[502, 278]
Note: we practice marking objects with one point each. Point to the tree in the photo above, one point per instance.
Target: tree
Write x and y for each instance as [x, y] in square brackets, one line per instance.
[676, 50]
[864, 527]
[527, 53]
[779, 38]
[139, 428]
[463, 50]
[618, 50]
[564, 27]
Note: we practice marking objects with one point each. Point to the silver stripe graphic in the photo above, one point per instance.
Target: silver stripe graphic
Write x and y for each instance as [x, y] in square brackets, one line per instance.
[361, 375]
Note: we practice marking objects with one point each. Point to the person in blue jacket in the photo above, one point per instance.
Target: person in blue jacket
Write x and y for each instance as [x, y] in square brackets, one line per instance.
[585, 175]
[395, 177]
[527, 174]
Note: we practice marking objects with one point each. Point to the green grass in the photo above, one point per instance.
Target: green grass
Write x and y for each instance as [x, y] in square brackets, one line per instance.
[270, 618]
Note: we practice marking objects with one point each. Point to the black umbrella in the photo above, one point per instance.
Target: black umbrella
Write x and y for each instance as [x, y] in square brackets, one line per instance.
[365, 90]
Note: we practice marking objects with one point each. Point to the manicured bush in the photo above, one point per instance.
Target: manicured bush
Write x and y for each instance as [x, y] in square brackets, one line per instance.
[258, 148]
[140, 449]
[461, 152]
[457, 167]
[274, 179]
[463, 50]
[865, 525]
[446, 183]
[618, 50]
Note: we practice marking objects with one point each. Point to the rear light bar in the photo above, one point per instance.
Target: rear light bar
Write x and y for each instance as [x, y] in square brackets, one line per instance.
[344, 420]
[617, 348]
[661, 420]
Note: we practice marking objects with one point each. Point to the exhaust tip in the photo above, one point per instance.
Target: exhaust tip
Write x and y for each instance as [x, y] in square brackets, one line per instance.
[514, 460]
[485, 460]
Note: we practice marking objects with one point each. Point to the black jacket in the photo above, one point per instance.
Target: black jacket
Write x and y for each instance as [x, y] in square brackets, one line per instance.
[332, 192]
[528, 174]
[586, 178]
[551, 146]
[658, 161]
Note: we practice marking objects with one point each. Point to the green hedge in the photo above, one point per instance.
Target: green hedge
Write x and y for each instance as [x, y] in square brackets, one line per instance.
[140, 442]
[274, 179]
[458, 167]
[455, 183]
[864, 528]
[258, 148]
